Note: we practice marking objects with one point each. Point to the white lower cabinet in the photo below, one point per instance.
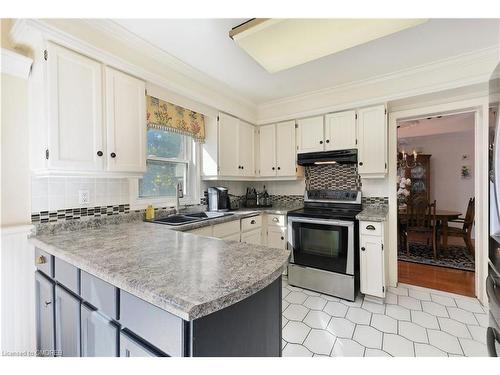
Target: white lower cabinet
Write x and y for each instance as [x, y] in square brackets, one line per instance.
[276, 237]
[254, 236]
[232, 237]
[371, 259]
[203, 231]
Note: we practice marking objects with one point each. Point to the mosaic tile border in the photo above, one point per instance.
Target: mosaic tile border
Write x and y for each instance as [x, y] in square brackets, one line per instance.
[375, 201]
[78, 213]
[336, 176]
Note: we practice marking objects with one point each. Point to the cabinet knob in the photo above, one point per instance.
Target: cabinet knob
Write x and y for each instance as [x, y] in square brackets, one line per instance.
[41, 260]
[282, 238]
[99, 153]
[363, 249]
[327, 141]
[273, 168]
[360, 163]
[279, 168]
[320, 142]
[242, 167]
[252, 222]
[113, 155]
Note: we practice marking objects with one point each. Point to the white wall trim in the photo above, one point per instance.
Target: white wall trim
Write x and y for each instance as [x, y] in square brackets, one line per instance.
[480, 107]
[15, 64]
[175, 76]
[454, 72]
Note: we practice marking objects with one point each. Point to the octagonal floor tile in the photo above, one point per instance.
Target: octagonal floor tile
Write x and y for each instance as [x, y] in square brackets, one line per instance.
[319, 341]
[413, 332]
[391, 298]
[454, 328]
[369, 352]
[384, 323]
[368, 337]
[469, 304]
[358, 315]
[295, 332]
[317, 319]
[295, 350]
[296, 297]
[444, 341]
[426, 350]
[315, 303]
[397, 346]
[397, 312]
[335, 309]
[409, 302]
[419, 294]
[434, 308]
[462, 316]
[424, 319]
[473, 348]
[443, 300]
[295, 312]
[341, 327]
[478, 333]
[373, 307]
[347, 348]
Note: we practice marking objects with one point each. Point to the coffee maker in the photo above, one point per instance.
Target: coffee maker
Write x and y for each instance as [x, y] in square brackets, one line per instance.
[218, 199]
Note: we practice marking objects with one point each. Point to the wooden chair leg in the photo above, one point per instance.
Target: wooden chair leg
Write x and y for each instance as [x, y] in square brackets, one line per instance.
[468, 243]
[434, 245]
[407, 244]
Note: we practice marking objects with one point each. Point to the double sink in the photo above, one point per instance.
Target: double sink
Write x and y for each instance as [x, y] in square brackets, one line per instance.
[190, 218]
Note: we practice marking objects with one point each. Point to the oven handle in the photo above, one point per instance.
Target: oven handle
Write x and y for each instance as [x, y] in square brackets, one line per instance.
[491, 337]
[340, 223]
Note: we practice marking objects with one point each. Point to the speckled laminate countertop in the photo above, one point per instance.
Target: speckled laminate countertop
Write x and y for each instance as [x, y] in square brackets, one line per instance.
[187, 275]
[373, 213]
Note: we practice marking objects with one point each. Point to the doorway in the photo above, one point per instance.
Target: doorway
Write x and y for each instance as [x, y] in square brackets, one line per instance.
[436, 204]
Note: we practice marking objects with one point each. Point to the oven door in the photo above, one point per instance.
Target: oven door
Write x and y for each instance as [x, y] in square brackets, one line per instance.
[324, 244]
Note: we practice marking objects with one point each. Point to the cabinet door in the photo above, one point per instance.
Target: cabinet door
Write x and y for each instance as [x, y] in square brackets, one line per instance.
[246, 149]
[45, 330]
[253, 237]
[67, 323]
[372, 142]
[129, 347]
[276, 237]
[75, 110]
[340, 130]
[285, 149]
[267, 143]
[232, 237]
[372, 266]
[125, 122]
[228, 145]
[310, 135]
[99, 335]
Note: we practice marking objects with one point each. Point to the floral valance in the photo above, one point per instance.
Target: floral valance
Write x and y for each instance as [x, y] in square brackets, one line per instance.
[171, 117]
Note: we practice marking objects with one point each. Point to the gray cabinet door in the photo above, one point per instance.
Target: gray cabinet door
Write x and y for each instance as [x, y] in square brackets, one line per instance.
[44, 294]
[129, 347]
[67, 323]
[99, 335]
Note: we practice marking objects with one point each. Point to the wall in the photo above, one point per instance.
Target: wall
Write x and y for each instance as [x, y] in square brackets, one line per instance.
[448, 188]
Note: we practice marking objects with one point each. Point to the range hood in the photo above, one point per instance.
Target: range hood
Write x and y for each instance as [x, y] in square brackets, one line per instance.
[328, 157]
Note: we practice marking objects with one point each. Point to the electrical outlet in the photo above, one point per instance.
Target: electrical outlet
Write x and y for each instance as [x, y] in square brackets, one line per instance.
[83, 197]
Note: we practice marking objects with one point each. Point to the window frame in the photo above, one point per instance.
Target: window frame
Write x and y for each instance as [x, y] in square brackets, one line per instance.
[191, 184]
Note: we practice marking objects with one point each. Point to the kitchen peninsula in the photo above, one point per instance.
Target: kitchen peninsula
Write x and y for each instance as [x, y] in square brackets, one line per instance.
[157, 292]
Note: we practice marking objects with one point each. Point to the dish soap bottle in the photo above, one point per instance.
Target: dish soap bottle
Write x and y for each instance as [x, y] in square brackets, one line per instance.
[150, 213]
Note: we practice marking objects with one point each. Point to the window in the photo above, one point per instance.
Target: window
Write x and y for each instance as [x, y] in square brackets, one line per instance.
[171, 159]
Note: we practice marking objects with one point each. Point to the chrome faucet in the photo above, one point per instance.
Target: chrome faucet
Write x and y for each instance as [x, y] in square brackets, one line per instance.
[179, 193]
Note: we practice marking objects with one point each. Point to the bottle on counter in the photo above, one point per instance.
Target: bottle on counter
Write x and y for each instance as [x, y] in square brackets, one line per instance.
[266, 199]
[150, 212]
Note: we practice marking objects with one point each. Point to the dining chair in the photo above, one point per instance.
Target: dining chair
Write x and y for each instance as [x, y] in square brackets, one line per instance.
[467, 223]
[421, 219]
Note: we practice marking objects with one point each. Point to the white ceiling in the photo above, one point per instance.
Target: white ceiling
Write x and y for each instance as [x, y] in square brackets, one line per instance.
[205, 45]
[436, 125]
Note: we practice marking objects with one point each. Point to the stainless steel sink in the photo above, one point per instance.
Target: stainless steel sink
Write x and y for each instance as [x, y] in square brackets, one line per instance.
[190, 218]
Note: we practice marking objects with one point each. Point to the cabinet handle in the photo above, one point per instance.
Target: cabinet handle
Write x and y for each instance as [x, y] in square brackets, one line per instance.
[41, 260]
[252, 222]
[275, 219]
[113, 155]
[370, 227]
[99, 153]
[327, 141]
[363, 249]
[360, 163]
[320, 142]
[47, 303]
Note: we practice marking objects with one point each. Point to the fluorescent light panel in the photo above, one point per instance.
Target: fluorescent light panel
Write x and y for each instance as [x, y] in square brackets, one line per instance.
[279, 44]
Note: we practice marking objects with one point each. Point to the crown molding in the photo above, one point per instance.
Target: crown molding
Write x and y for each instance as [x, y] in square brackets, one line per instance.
[164, 71]
[446, 74]
[15, 64]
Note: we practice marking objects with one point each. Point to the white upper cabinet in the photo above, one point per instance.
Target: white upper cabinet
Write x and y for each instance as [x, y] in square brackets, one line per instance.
[310, 134]
[267, 143]
[236, 147]
[246, 142]
[285, 149]
[372, 142]
[340, 130]
[75, 127]
[125, 122]
[228, 145]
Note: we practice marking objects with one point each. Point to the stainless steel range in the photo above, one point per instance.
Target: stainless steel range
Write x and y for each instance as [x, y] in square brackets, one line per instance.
[323, 237]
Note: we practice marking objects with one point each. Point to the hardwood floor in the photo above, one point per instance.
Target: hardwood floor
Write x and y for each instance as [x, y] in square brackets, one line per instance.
[440, 278]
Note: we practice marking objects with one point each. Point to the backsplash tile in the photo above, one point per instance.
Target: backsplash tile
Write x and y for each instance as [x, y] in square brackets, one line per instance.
[375, 201]
[333, 176]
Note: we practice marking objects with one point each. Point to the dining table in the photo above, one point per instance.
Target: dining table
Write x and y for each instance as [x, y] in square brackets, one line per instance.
[442, 216]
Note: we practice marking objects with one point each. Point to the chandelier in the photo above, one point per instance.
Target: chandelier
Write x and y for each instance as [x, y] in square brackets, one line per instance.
[407, 161]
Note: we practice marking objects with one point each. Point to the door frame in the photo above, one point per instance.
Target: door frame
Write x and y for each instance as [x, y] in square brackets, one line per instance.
[479, 106]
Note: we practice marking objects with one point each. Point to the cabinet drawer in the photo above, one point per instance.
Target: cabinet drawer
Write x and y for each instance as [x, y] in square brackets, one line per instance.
[370, 228]
[203, 231]
[158, 327]
[67, 275]
[276, 220]
[251, 223]
[100, 294]
[226, 229]
[44, 262]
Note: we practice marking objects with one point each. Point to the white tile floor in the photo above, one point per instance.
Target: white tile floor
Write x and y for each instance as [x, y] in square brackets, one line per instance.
[413, 322]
